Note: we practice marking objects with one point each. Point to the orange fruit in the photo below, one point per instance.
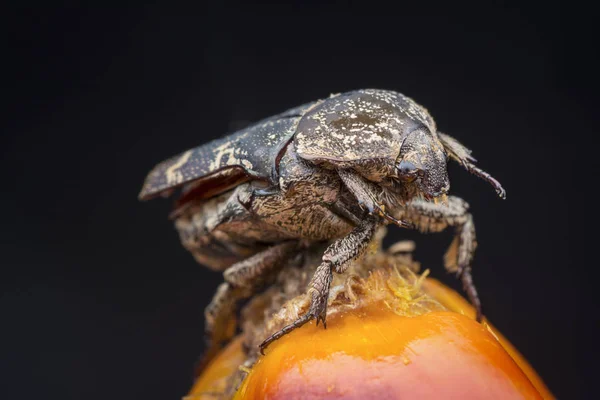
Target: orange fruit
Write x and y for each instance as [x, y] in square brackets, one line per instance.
[376, 352]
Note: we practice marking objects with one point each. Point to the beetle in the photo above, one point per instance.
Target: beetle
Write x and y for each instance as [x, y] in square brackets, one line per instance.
[331, 170]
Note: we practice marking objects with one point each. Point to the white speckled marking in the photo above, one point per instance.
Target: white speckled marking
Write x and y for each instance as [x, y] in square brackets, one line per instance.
[174, 176]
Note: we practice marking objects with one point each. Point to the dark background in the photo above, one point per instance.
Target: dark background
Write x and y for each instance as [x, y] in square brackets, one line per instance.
[98, 298]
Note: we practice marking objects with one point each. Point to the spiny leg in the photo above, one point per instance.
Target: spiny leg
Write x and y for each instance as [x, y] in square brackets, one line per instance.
[431, 217]
[242, 280]
[458, 259]
[318, 305]
[250, 273]
[335, 258]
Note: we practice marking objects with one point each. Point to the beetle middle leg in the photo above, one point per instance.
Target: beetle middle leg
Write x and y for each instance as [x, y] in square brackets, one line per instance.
[335, 258]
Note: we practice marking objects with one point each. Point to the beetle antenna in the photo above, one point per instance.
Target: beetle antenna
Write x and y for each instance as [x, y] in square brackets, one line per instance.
[487, 177]
[463, 155]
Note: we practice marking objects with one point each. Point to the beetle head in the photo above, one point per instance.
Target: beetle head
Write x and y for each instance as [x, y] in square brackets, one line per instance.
[423, 164]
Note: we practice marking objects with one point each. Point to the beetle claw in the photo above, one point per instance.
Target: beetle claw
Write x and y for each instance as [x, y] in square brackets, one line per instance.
[322, 318]
[501, 192]
[318, 308]
[317, 311]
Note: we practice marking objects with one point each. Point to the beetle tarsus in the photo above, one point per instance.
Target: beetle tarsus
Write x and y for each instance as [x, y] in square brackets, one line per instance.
[319, 293]
[317, 311]
[284, 331]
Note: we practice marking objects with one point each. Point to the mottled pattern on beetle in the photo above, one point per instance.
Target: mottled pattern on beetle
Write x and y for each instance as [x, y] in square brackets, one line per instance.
[405, 104]
[196, 227]
[301, 206]
[343, 251]
[375, 170]
[253, 270]
[431, 217]
[221, 231]
[460, 253]
[333, 170]
[427, 152]
[358, 126]
[229, 227]
[252, 149]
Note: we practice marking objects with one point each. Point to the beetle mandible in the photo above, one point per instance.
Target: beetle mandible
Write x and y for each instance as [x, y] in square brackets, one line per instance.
[331, 170]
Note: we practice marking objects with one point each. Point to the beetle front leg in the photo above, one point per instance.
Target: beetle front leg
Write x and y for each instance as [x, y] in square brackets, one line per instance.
[458, 259]
[432, 217]
[366, 194]
[335, 258]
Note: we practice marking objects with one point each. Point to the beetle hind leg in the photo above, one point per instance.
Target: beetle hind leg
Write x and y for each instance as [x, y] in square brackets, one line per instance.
[242, 280]
[219, 322]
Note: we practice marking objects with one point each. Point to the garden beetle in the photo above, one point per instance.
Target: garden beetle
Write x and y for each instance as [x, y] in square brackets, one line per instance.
[332, 170]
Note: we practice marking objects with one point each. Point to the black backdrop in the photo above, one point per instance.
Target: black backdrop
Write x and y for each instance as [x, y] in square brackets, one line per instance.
[98, 298]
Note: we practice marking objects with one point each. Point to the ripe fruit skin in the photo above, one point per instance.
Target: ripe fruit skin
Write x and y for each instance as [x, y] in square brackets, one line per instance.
[455, 302]
[214, 378]
[373, 353]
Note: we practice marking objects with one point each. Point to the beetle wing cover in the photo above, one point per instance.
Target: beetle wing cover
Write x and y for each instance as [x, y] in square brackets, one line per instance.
[360, 125]
[246, 154]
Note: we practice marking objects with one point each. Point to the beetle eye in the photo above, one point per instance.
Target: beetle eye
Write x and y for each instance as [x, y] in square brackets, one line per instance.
[407, 171]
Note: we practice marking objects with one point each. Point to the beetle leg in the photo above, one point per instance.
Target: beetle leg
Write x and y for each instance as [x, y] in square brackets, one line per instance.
[463, 155]
[250, 273]
[335, 258]
[340, 210]
[219, 322]
[431, 217]
[365, 193]
[242, 280]
[465, 250]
